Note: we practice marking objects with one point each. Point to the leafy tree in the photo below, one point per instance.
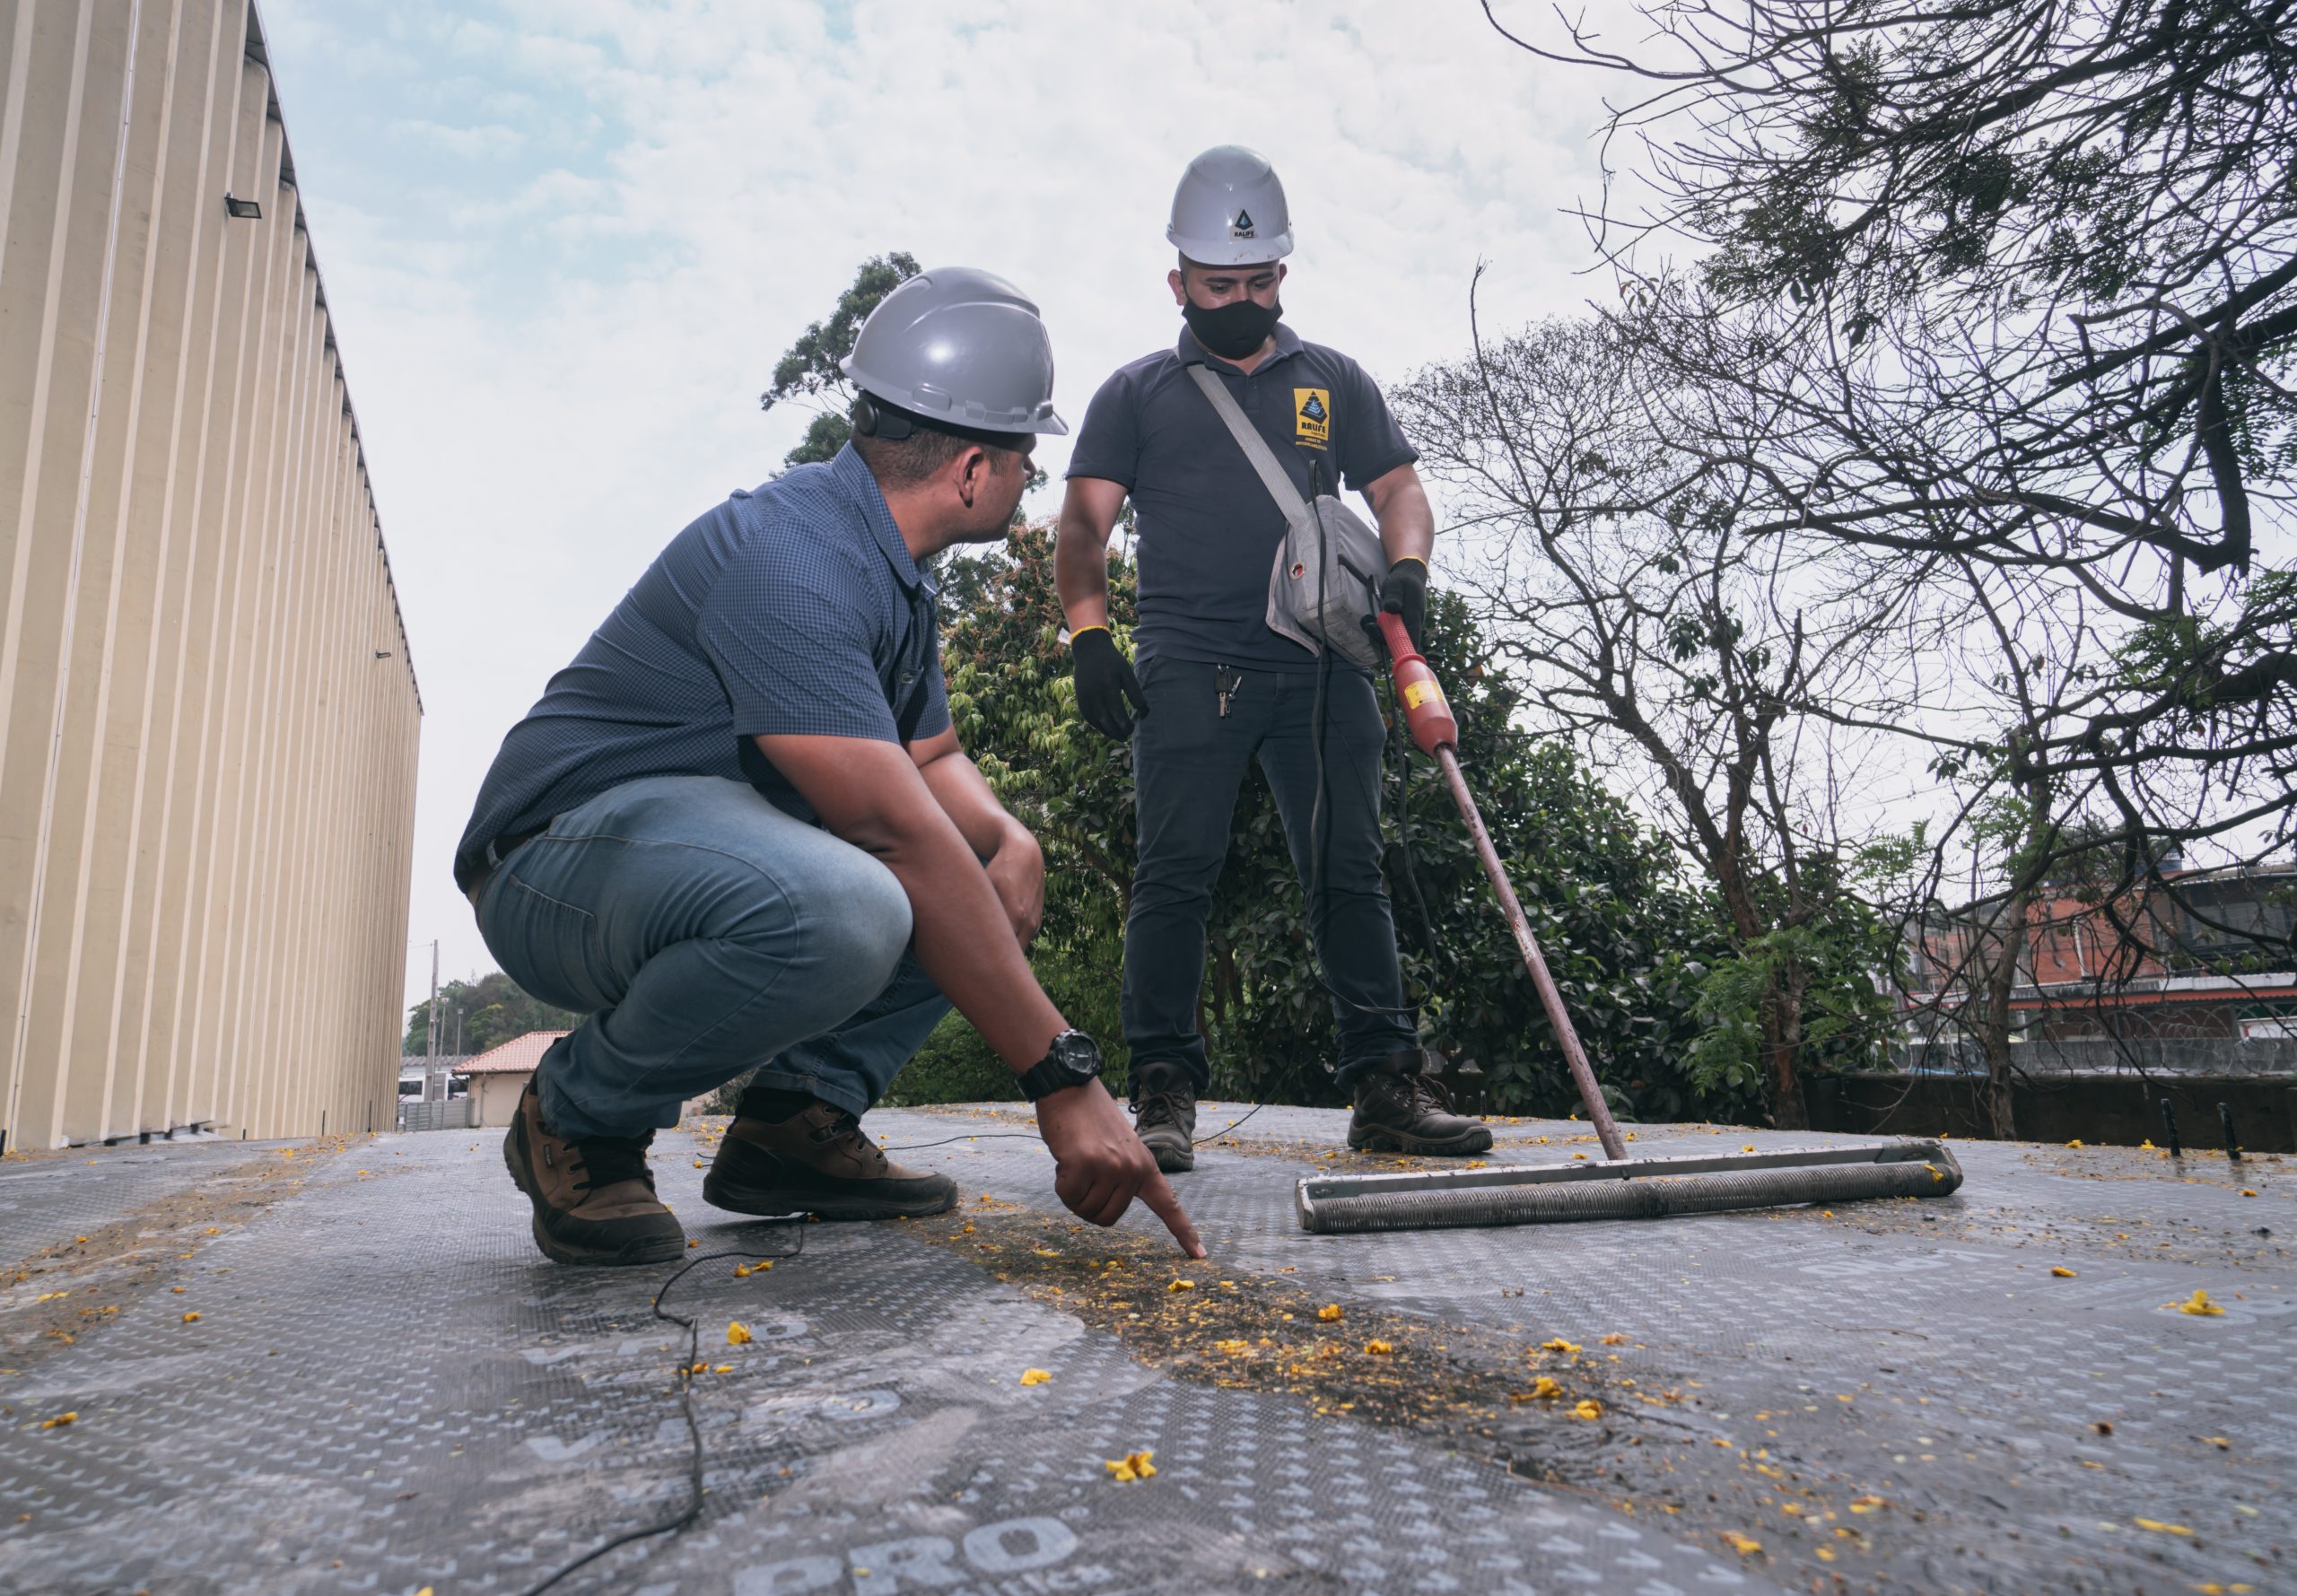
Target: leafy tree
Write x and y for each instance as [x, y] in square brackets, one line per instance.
[2001, 301]
[1629, 941]
[808, 371]
[1668, 640]
[491, 1011]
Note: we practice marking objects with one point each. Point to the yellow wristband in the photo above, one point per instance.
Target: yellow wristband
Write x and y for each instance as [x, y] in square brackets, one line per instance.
[1415, 559]
[1078, 632]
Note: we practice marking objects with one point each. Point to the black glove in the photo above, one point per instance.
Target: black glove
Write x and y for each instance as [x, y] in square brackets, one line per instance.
[1104, 681]
[1403, 591]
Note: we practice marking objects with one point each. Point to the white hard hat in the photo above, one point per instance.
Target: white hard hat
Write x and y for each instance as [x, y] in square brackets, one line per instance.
[959, 347]
[1230, 210]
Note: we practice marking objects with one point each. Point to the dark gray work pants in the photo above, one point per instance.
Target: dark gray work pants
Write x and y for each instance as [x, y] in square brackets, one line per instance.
[1188, 760]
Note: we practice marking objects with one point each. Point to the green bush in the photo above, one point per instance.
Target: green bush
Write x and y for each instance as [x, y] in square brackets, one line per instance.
[1629, 940]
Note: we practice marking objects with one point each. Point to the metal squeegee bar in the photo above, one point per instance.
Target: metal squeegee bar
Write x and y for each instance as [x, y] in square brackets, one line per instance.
[1639, 1188]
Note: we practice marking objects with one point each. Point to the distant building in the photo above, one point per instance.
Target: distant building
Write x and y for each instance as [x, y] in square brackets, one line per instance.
[498, 1076]
[2192, 962]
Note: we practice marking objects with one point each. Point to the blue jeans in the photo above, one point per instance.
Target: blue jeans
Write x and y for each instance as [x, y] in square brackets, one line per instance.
[704, 931]
[1188, 760]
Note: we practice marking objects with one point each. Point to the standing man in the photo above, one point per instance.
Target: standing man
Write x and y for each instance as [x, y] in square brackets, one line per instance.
[1216, 687]
[738, 831]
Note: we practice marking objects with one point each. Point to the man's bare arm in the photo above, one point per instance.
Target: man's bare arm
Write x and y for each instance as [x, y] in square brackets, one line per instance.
[873, 795]
[1407, 520]
[1081, 549]
[1007, 851]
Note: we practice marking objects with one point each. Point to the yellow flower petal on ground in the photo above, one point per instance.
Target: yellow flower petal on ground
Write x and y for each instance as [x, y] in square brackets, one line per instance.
[2219, 1442]
[2061, 1272]
[1378, 1348]
[60, 1420]
[738, 1334]
[1746, 1545]
[2246, 1192]
[1131, 1466]
[2160, 1528]
[2199, 1303]
[1615, 1339]
[2075, 1143]
[722, 1369]
[1587, 1408]
[1867, 1504]
[1035, 1376]
[1328, 1312]
[191, 1319]
[1545, 1388]
[1045, 1252]
[1558, 1345]
[1182, 1286]
[1234, 1349]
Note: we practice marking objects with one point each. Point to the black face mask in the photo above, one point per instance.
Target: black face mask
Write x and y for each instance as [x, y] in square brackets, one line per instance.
[1233, 330]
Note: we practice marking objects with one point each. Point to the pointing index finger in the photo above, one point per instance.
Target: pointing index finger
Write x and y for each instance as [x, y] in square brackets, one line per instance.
[1159, 1195]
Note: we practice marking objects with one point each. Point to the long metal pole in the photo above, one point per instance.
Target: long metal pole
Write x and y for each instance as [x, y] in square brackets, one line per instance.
[431, 1081]
[1550, 999]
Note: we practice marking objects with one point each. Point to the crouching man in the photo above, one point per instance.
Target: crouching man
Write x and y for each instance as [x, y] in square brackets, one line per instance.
[739, 831]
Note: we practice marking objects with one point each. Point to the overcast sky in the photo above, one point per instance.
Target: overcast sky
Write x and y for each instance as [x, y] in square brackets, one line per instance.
[564, 241]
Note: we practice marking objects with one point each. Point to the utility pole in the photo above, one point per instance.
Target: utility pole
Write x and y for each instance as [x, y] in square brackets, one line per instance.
[434, 1085]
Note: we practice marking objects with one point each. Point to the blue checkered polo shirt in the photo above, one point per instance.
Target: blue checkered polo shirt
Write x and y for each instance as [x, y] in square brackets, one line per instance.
[791, 609]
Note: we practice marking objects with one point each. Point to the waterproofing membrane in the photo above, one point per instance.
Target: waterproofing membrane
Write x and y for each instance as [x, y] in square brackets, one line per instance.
[387, 1388]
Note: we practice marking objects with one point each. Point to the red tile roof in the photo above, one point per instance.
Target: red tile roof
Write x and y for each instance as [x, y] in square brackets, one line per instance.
[518, 1056]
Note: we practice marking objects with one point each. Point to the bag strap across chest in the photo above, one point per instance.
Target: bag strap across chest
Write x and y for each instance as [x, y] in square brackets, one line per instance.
[1255, 447]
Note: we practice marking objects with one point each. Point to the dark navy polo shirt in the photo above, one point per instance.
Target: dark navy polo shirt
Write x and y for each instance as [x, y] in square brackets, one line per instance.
[1207, 528]
[793, 609]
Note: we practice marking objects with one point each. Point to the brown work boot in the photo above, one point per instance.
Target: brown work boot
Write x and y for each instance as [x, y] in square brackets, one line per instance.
[594, 1197]
[1164, 1113]
[1401, 1110]
[787, 1153]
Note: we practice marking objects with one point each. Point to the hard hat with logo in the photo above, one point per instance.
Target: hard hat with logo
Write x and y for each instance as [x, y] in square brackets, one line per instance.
[961, 349]
[1230, 210]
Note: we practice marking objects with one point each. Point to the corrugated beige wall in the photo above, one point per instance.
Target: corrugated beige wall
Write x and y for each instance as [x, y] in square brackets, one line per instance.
[208, 718]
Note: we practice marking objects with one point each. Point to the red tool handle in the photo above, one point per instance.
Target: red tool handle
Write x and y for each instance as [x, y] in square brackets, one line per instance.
[1433, 727]
[1425, 708]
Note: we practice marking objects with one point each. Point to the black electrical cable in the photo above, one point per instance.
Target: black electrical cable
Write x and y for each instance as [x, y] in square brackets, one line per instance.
[1402, 735]
[1319, 823]
[693, 1508]
[692, 1327]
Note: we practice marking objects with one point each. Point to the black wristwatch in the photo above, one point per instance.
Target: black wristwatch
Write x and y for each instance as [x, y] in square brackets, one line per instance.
[1071, 1061]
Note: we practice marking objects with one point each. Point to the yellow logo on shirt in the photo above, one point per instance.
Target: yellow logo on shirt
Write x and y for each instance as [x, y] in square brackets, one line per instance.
[1312, 415]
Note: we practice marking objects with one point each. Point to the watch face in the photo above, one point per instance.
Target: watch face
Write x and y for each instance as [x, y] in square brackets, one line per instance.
[1075, 1052]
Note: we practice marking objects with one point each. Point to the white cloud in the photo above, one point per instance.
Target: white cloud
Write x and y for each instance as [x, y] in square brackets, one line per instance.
[555, 350]
[473, 143]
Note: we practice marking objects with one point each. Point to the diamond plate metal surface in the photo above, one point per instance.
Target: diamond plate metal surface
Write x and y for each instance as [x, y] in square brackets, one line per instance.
[388, 1388]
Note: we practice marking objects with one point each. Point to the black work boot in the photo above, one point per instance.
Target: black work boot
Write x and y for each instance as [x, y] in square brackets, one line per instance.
[1401, 1110]
[787, 1153]
[1164, 1113]
[593, 1195]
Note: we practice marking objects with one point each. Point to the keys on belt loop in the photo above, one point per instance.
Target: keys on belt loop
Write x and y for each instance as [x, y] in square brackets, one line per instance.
[1226, 684]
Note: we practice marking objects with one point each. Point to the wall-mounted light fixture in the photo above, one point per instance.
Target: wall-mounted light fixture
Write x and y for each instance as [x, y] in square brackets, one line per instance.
[242, 210]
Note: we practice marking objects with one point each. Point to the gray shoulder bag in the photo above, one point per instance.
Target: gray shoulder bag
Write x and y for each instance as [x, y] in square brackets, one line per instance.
[1325, 582]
